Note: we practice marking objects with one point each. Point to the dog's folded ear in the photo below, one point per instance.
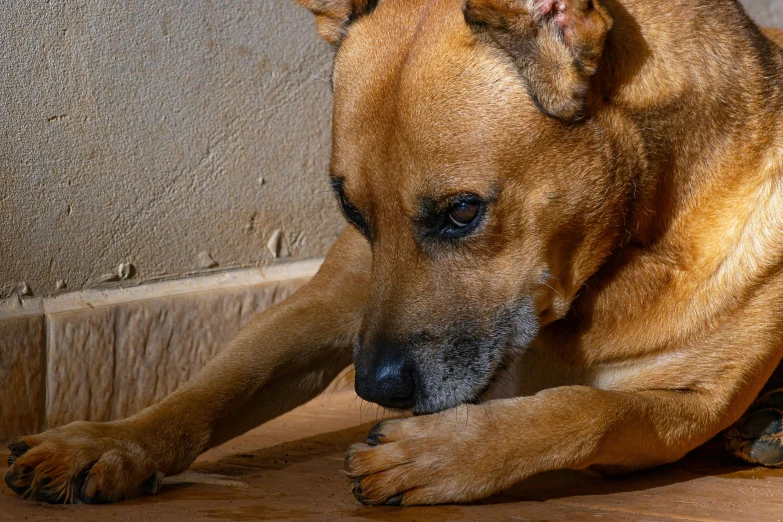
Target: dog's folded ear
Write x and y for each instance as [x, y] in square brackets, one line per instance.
[556, 44]
[333, 17]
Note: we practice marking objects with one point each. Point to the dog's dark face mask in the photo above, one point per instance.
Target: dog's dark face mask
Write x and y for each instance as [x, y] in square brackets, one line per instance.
[485, 213]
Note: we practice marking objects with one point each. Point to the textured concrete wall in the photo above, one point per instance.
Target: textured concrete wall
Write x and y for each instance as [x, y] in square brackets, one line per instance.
[766, 12]
[138, 132]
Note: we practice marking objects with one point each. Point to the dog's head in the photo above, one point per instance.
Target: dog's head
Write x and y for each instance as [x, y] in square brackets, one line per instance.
[465, 152]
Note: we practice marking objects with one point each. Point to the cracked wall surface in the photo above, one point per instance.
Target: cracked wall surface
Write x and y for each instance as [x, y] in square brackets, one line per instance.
[151, 139]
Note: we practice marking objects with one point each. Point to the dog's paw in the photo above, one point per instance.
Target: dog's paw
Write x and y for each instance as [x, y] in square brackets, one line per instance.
[758, 436]
[82, 462]
[433, 459]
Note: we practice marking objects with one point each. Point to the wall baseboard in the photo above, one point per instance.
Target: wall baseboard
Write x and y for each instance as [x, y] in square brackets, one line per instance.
[105, 354]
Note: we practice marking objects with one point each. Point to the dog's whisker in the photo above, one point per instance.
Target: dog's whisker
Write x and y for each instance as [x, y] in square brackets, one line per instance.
[438, 417]
[508, 376]
[488, 412]
[553, 289]
[344, 386]
[353, 402]
[362, 405]
[337, 383]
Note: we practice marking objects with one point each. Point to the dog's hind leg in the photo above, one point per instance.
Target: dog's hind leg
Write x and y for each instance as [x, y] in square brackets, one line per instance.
[758, 436]
[284, 357]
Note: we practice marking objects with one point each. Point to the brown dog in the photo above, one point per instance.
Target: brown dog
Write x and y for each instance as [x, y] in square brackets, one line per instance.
[577, 203]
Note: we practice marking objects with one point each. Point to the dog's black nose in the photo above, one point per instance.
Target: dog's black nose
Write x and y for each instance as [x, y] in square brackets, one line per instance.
[387, 381]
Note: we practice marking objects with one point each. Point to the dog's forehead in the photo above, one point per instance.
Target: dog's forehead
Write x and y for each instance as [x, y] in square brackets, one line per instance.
[418, 96]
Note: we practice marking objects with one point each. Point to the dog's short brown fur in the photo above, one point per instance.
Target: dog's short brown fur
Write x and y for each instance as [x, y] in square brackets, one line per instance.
[620, 279]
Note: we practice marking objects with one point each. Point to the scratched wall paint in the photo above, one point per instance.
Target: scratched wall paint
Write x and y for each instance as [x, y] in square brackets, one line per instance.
[145, 139]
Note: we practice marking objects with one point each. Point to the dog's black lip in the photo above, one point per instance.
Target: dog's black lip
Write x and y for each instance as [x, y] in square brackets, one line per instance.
[418, 413]
[476, 399]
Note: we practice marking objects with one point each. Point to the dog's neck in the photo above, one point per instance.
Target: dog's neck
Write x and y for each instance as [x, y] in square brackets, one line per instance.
[700, 127]
[704, 209]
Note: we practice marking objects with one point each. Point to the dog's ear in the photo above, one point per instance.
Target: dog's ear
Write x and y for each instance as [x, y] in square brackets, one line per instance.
[333, 17]
[556, 44]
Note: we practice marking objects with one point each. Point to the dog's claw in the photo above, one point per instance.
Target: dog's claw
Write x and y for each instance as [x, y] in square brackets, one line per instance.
[17, 450]
[374, 437]
[396, 500]
[89, 490]
[347, 461]
[152, 485]
[48, 496]
[11, 480]
[83, 462]
[18, 447]
[358, 492]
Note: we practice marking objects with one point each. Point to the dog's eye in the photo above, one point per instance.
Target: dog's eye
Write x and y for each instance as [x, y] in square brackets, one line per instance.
[463, 213]
[462, 217]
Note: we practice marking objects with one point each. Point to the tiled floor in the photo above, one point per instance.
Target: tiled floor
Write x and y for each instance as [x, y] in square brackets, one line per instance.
[290, 469]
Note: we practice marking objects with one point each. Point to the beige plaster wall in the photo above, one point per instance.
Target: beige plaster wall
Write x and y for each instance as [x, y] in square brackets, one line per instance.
[766, 12]
[139, 132]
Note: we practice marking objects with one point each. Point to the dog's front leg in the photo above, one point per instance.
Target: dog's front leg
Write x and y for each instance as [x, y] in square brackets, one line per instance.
[472, 451]
[284, 357]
